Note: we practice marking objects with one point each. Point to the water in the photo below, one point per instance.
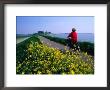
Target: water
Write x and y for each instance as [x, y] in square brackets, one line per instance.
[20, 39]
[82, 37]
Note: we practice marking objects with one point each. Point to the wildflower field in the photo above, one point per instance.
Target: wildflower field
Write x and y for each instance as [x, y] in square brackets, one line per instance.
[33, 57]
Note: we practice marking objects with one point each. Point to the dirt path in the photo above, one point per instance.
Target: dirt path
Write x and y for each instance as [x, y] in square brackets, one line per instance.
[52, 43]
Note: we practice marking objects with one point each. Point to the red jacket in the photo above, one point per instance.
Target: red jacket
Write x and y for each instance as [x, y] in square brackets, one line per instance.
[73, 36]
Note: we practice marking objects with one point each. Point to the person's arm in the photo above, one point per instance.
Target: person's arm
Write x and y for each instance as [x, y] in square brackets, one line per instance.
[69, 35]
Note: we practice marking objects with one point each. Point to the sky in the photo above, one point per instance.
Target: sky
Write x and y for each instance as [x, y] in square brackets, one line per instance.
[54, 24]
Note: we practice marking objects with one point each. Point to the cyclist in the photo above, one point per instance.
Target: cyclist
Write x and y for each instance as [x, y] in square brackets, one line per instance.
[72, 39]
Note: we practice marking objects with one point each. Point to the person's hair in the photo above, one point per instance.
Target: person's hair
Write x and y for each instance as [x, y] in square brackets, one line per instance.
[73, 29]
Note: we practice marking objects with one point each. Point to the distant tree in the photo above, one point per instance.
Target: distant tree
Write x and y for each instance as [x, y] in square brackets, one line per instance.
[49, 32]
[46, 33]
[40, 32]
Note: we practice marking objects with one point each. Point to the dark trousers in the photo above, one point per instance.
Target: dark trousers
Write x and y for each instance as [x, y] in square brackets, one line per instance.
[72, 45]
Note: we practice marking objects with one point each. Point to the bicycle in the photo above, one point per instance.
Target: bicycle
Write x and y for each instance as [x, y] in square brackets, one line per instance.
[72, 46]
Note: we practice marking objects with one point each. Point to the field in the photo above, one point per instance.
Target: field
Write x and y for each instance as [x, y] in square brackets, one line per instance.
[34, 57]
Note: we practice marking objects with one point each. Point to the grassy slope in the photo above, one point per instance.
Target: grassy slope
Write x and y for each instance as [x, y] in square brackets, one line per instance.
[22, 47]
